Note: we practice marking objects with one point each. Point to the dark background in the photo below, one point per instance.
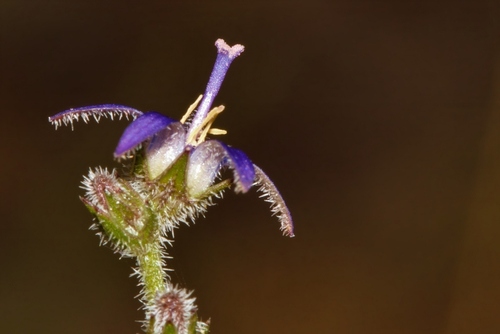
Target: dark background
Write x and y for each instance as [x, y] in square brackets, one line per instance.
[378, 120]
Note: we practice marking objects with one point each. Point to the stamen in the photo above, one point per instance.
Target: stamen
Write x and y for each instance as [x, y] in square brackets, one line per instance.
[208, 123]
[190, 110]
[217, 132]
[198, 135]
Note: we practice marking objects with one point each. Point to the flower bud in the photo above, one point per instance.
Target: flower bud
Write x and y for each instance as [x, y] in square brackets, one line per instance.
[173, 311]
[121, 211]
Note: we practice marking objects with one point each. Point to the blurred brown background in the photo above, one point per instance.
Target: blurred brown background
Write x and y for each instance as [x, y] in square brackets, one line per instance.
[378, 120]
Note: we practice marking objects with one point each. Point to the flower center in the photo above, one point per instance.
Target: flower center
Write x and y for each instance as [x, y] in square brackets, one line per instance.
[198, 134]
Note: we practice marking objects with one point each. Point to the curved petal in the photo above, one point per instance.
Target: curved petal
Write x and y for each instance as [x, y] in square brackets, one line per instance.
[144, 127]
[271, 195]
[68, 116]
[243, 170]
[165, 147]
[207, 159]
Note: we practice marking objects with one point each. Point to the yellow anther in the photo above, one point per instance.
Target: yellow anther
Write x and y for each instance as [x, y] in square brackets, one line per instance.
[207, 123]
[217, 132]
[191, 109]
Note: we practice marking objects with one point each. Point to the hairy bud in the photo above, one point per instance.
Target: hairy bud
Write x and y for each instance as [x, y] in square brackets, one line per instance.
[175, 310]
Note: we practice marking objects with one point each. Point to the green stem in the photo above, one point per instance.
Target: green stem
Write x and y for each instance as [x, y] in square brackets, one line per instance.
[151, 269]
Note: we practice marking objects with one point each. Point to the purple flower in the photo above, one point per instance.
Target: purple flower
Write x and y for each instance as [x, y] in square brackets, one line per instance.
[169, 145]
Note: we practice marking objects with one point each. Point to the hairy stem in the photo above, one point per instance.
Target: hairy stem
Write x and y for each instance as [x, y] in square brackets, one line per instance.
[152, 272]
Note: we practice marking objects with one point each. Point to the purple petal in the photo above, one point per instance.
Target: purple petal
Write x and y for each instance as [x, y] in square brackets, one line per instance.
[207, 159]
[244, 172]
[144, 127]
[111, 110]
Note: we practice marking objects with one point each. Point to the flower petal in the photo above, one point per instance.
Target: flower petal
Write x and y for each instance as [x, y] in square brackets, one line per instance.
[144, 127]
[165, 147]
[68, 116]
[204, 164]
[206, 161]
[244, 172]
[271, 195]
